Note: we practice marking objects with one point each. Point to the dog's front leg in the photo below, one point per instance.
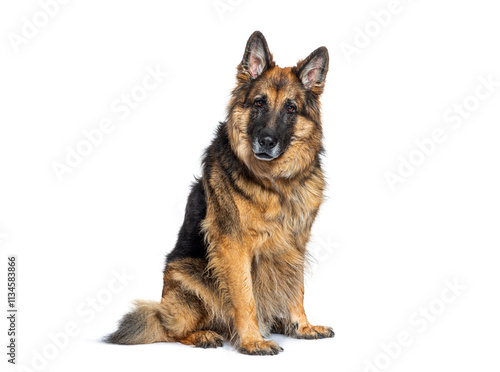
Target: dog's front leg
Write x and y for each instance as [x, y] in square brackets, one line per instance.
[300, 326]
[234, 266]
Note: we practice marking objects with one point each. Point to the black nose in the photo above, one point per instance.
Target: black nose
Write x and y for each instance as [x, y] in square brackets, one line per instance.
[268, 142]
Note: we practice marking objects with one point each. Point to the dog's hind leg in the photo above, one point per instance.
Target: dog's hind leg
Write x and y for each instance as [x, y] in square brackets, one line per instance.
[186, 317]
[186, 320]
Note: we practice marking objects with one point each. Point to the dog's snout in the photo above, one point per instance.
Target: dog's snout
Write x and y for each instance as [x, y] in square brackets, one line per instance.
[267, 139]
[268, 142]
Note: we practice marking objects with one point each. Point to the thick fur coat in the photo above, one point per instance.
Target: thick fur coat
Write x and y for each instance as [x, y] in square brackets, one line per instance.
[237, 271]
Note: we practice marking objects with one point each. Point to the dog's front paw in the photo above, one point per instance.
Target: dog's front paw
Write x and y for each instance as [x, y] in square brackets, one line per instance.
[260, 348]
[311, 332]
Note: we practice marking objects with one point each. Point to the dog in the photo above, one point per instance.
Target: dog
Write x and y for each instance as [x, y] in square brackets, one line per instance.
[237, 271]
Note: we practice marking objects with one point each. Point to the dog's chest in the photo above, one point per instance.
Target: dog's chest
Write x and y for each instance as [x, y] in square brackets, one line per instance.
[281, 221]
[279, 231]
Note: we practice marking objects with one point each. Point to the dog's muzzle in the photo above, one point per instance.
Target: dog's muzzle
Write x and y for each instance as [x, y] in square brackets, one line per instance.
[266, 146]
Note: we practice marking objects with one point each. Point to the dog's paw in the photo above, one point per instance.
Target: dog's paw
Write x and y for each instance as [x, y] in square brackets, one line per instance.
[204, 339]
[260, 348]
[209, 339]
[311, 332]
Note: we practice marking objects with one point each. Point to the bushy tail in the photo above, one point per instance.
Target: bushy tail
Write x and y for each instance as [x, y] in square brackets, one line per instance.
[143, 325]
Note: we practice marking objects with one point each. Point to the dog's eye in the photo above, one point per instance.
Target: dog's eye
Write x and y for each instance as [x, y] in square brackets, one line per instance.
[259, 102]
[291, 109]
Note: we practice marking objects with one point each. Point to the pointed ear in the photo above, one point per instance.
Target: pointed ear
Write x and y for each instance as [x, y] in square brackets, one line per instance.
[257, 57]
[312, 70]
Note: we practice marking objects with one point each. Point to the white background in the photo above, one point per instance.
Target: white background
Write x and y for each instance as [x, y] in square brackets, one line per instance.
[380, 254]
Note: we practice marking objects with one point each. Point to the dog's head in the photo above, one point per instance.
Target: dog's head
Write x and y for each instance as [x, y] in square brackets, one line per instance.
[274, 116]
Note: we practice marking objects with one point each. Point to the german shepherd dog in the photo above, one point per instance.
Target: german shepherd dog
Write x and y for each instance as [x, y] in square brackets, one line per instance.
[237, 271]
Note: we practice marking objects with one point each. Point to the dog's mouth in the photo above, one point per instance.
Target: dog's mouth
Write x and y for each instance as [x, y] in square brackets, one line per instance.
[264, 156]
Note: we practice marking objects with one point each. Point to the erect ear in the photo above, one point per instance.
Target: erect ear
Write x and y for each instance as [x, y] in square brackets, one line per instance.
[257, 57]
[312, 70]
